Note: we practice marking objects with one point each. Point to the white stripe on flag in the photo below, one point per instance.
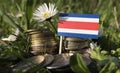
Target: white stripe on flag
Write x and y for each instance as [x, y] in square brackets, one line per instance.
[79, 19]
[64, 30]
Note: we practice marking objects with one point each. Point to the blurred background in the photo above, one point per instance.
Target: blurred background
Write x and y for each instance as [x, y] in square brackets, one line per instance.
[18, 14]
[108, 10]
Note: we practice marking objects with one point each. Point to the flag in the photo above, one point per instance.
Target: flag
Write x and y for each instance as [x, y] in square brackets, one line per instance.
[78, 25]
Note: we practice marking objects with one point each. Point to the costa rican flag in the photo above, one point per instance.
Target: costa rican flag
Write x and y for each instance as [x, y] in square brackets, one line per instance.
[78, 25]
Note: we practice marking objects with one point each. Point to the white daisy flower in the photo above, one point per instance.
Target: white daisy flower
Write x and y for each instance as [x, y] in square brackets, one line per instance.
[20, 14]
[16, 32]
[10, 38]
[93, 45]
[44, 12]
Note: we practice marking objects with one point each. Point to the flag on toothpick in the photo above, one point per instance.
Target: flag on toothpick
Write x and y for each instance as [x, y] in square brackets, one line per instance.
[78, 25]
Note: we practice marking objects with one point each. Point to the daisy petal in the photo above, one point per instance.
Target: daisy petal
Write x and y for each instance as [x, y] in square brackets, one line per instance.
[44, 12]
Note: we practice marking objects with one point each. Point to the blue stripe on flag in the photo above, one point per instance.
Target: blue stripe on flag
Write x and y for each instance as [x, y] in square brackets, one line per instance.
[79, 15]
[78, 35]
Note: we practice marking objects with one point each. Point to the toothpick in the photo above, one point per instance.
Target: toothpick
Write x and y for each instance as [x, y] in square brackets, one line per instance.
[60, 46]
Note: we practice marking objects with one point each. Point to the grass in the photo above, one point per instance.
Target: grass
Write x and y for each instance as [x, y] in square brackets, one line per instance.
[9, 19]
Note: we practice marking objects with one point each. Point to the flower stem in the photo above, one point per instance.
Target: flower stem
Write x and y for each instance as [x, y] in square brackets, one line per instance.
[53, 26]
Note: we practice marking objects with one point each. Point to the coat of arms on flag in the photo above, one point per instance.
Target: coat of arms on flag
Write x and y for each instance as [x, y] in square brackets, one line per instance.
[78, 25]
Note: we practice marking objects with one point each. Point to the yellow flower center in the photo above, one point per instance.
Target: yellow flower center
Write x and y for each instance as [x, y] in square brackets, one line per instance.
[46, 15]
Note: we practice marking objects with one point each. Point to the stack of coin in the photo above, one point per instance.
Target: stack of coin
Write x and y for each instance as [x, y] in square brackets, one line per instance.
[71, 43]
[42, 41]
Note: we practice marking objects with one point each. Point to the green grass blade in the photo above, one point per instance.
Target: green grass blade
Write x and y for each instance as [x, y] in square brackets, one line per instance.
[30, 4]
[12, 22]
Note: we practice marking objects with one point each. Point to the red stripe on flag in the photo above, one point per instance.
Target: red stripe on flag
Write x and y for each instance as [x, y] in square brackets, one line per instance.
[78, 25]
